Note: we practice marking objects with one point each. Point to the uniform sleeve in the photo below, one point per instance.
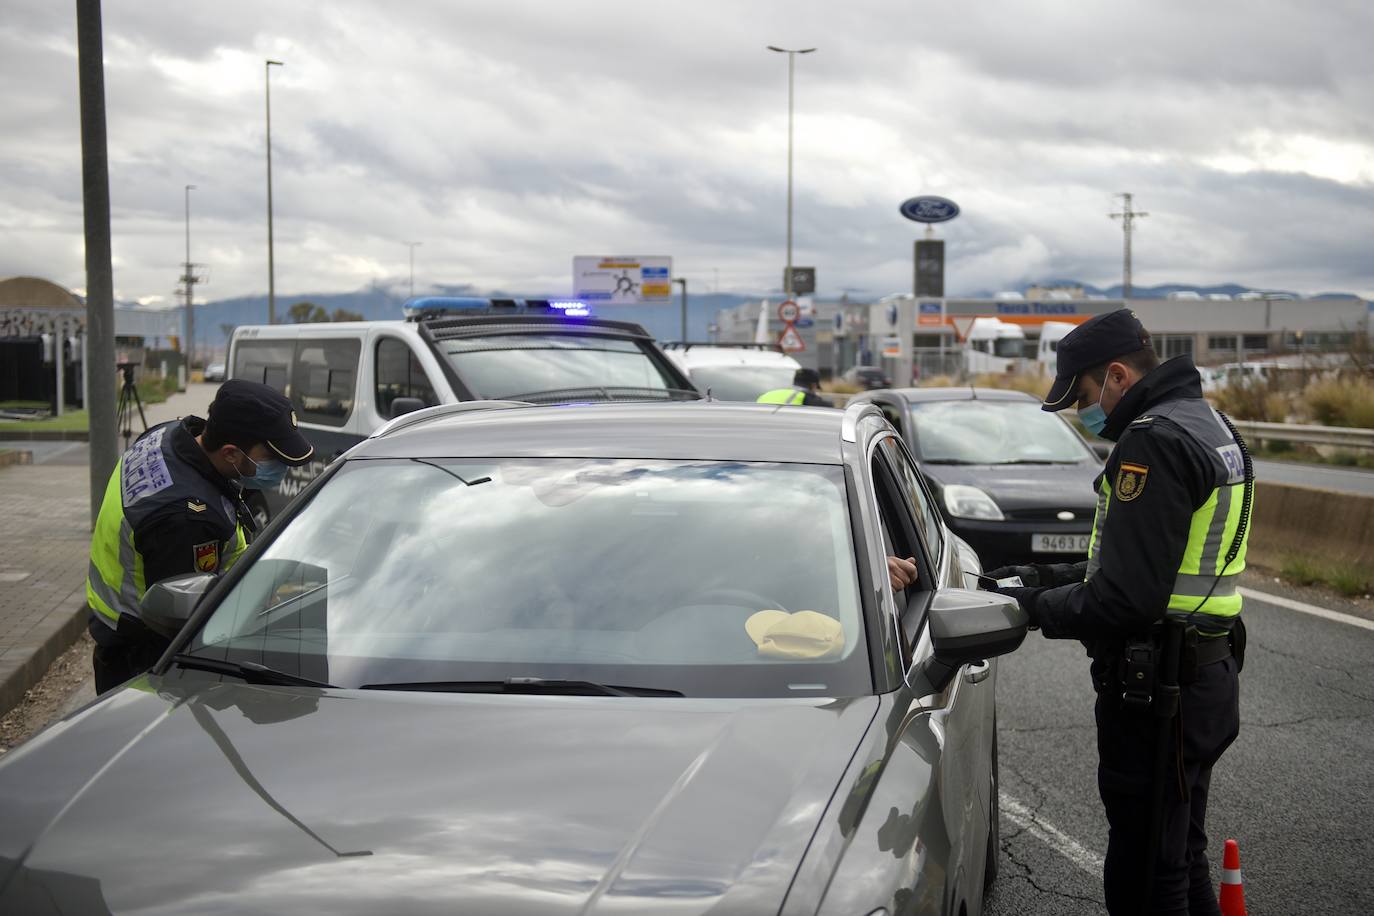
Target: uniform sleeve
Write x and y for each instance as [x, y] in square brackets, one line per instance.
[815, 400]
[1157, 485]
[173, 543]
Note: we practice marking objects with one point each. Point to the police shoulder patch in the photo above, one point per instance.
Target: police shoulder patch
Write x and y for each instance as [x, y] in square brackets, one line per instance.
[196, 505]
[1130, 480]
[1142, 421]
[207, 556]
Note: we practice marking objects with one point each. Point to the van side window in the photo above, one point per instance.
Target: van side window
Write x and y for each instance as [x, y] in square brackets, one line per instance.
[400, 375]
[267, 362]
[323, 379]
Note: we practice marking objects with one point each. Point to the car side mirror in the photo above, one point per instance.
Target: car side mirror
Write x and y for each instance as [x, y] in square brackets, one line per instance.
[168, 604]
[401, 406]
[967, 626]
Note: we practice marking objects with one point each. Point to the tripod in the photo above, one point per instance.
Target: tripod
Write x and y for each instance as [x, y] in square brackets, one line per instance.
[128, 400]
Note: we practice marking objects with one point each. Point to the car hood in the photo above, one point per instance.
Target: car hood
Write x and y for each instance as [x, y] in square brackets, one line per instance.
[236, 798]
[1022, 487]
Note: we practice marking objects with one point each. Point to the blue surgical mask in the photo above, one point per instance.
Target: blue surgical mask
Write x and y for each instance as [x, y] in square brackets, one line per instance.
[1093, 417]
[266, 474]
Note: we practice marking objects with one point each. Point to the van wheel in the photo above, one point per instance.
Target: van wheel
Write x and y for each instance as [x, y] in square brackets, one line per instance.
[994, 822]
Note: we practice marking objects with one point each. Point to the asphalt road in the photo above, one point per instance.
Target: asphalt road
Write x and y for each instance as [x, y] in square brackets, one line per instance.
[1296, 789]
[1342, 480]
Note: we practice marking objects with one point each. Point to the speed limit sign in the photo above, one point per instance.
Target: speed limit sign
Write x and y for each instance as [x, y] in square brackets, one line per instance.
[789, 311]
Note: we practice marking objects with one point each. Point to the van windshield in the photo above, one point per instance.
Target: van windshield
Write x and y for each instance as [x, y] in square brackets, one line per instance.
[548, 368]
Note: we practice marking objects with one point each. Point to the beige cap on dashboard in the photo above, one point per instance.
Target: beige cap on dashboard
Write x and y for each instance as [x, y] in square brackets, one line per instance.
[803, 635]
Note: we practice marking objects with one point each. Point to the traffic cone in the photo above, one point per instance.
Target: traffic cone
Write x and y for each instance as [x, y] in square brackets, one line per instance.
[1232, 889]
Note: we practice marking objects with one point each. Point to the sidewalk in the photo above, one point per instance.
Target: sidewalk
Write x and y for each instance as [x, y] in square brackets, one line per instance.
[45, 537]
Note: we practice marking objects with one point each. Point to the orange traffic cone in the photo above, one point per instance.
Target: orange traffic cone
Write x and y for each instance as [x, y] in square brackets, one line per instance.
[1232, 889]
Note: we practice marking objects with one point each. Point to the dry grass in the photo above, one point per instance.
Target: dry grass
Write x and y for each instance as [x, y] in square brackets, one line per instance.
[1341, 402]
[1030, 384]
[1349, 579]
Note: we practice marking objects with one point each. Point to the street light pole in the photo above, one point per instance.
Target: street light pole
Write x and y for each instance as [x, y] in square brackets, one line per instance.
[271, 266]
[683, 282]
[791, 61]
[412, 246]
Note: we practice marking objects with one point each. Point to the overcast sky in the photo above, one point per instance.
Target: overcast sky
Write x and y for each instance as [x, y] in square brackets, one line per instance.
[509, 136]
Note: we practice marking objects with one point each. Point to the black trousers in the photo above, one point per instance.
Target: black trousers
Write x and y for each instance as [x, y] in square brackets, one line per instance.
[123, 653]
[1209, 721]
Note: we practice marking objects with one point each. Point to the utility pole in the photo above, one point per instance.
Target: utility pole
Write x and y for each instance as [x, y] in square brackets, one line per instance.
[188, 284]
[412, 246]
[271, 266]
[95, 195]
[1127, 215]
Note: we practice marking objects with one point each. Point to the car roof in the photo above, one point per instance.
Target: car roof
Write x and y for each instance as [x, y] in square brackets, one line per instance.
[715, 431]
[915, 395]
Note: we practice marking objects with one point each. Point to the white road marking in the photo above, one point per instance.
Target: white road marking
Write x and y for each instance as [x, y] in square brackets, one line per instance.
[1312, 609]
[1023, 817]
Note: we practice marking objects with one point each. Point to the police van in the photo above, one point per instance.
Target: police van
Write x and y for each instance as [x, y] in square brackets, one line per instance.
[347, 379]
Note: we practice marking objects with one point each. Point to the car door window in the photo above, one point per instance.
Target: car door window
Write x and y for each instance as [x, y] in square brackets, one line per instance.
[922, 505]
[400, 375]
[902, 538]
[323, 378]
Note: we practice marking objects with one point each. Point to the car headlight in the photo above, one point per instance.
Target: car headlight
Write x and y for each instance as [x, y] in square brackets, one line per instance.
[970, 502]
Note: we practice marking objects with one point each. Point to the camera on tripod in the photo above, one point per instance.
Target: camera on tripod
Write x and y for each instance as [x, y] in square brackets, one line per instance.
[128, 400]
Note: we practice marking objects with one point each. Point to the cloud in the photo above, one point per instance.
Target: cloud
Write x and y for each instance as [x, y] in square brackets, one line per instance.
[508, 137]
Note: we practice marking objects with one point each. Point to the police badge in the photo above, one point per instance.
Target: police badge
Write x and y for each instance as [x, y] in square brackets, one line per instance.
[1130, 481]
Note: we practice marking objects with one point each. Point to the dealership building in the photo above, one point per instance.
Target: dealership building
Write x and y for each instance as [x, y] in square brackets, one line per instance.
[841, 334]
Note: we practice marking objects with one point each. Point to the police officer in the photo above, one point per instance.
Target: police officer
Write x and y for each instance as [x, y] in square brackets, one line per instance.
[175, 506]
[805, 384]
[1168, 544]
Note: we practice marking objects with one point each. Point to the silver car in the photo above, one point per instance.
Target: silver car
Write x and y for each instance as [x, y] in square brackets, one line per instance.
[550, 660]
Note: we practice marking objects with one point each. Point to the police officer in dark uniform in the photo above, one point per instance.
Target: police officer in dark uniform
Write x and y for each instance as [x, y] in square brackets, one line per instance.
[175, 506]
[1167, 548]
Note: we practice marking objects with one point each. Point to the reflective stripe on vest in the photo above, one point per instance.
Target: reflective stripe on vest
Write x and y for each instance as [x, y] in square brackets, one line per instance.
[791, 396]
[114, 578]
[1210, 534]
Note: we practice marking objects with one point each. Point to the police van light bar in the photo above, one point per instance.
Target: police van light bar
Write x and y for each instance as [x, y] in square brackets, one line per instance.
[570, 307]
[434, 306]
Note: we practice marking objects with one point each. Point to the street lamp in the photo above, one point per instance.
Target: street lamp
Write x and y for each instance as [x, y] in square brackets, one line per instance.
[271, 266]
[412, 246]
[791, 61]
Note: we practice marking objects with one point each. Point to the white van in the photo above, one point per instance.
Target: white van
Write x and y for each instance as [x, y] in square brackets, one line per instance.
[347, 379]
[1047, 350]
[994, 345]
[733, 372]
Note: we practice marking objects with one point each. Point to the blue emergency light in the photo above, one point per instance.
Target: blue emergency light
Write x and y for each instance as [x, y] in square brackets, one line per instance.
[434, 306]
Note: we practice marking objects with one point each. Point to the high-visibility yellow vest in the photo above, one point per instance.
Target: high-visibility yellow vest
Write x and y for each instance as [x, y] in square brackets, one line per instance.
[792, 396]
[144, 478]
[1204, 582]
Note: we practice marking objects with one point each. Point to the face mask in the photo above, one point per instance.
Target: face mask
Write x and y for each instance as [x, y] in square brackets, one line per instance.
[266, 474]
[1093, 417]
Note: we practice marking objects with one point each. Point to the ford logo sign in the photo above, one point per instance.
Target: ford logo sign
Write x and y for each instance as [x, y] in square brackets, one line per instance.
[929, 209]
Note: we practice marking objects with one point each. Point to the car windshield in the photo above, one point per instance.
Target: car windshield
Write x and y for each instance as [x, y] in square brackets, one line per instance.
[741, 383]
[625, 573]
[542, 367]
[994, 432]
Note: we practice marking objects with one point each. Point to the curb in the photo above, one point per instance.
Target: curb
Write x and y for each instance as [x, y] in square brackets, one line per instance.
[47, 435]
[24, 665]
[10, 457]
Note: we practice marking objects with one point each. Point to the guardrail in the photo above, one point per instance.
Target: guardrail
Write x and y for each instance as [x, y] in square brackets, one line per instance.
[1343, 436]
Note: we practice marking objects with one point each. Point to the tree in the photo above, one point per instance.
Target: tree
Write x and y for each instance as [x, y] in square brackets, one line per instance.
[346, 315]
[306, 313]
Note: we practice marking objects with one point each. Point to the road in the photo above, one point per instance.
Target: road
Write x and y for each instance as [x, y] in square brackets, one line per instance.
[1342, 480]
[1296, 789]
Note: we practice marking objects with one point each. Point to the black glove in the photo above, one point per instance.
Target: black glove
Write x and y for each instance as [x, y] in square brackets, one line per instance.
[1027, 598]
[1030, 575]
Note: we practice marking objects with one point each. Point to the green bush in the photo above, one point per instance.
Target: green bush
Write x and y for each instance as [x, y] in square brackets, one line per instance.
[1349, 579]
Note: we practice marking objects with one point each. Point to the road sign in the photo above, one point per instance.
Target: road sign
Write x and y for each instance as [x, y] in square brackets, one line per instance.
[803, 280]
[929, 313]
[789, 311]
[623, 281]
[790, 341]
[962, 326]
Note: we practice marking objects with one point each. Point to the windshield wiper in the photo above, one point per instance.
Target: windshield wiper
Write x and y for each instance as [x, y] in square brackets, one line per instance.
[526, 685]
[950, 461]
[1033, 461]
[606, 393]
[251, 672]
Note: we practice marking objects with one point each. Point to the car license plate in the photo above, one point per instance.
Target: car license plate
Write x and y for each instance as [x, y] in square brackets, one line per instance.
[1059, 543]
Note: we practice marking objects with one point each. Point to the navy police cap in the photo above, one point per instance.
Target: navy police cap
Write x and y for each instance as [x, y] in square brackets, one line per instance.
[253, 412]
[1100, 339]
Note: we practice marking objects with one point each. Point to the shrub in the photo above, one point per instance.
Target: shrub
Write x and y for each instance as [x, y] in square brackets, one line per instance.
[1341, 402]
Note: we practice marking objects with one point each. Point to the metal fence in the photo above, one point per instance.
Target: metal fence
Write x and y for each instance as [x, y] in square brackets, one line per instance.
[1344, 437]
